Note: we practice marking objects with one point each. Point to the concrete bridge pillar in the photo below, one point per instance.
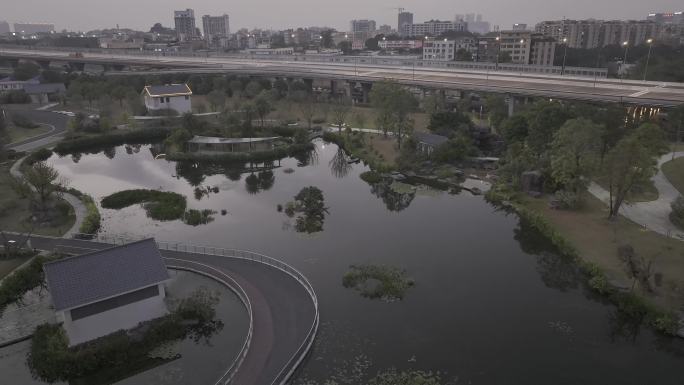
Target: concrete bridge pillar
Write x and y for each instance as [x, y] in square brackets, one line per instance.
[309, 83]
[511, 104]
[366, 88]
[333, 88]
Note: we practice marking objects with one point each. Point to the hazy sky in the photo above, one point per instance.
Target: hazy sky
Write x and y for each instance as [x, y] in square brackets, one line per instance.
[279, 14]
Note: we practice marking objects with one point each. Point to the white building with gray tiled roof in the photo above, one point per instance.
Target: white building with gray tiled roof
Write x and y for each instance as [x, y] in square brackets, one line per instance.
[105, 291]
[175, 97]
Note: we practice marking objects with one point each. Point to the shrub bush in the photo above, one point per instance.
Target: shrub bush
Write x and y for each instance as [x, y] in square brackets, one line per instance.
[371, 177]
[38, 156]
[23, 121]
[15, 97]
[159, 205]
[243, 157]
[93, 142]
[677, 214]
[15, 285]
[91, 223]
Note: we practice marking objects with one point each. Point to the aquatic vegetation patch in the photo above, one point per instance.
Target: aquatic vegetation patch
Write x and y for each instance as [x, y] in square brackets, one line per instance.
[378, 281]
[159, 205]
[308, 209]
[194, 217]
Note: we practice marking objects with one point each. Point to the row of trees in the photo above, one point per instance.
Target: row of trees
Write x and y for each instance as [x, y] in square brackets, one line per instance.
[573, 145]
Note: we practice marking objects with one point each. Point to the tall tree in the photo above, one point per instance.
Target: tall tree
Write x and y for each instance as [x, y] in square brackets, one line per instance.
[26, 71]
[395, 103]
[575, 153]
[632, 162]
[46, 182]
[217, 100]
[263, 106]
[340, 109]
[306, 103]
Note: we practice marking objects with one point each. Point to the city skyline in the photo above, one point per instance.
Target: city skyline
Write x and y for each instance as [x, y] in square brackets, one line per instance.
[335, 15]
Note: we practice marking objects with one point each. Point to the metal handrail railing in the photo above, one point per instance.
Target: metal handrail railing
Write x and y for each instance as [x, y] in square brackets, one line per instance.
[242, 295]
[296, 359]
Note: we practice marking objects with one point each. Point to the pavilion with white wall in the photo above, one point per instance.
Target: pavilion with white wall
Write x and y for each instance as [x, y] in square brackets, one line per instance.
[175, 97]
[98, 293]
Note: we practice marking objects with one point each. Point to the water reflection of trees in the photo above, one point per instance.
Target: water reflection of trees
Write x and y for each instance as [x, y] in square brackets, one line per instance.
[109, 152]
[260, 181]
[555, 271]
[339, 164]
[307, 158]
[393, 200]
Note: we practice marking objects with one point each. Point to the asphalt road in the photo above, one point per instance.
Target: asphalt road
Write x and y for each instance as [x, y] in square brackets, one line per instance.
[57, 122]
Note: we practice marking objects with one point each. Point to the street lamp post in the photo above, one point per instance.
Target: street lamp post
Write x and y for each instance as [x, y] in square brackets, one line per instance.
[648, 57]
[624, 61]
[498, 52]
[565, 54]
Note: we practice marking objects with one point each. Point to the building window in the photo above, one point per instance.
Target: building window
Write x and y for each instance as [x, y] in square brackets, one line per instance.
[168, 100]
[162, 100]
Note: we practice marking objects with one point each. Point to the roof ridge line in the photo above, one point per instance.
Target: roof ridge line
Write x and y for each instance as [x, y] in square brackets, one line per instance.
[99, 251]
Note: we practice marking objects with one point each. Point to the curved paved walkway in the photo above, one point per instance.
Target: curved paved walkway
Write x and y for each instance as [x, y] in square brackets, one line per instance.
[653, 215]
[285, 314]
[57, 122]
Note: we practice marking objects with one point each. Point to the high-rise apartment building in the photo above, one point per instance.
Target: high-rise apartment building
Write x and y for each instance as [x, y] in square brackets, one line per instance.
[4, 27]
[185, 24]
[474, 22]
[215, 26]
[405, 18]
[434, 28]
[599, 33]
[362, 26]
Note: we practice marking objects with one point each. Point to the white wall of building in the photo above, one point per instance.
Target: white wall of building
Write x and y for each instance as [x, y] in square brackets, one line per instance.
[181, 104]
[124, 317]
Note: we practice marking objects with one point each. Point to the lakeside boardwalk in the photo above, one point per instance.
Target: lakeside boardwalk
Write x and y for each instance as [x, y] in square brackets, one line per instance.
[284, 308]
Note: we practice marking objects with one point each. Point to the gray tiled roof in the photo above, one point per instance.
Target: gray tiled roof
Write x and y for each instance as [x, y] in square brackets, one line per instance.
[102, 274]
[169, 90]
[430, 139]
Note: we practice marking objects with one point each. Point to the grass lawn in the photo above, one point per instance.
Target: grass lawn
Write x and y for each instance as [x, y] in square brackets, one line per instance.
[19, 133]
[674, 172]
[597, 240]
[15, 212]
[8, 265]
[640, 193]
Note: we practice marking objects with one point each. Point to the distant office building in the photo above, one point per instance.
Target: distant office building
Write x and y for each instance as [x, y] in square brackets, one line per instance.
[32, 28]
[475, 23]
[543, 50]
[185, 24]
[385, 29]
[215, 27]
[405, 18]
[434, 28]
[4, 27]
[519, 27]
[363, 26]
[400, 44]
[666, 18]
[599, 33]
[517, 44]
[439, 50]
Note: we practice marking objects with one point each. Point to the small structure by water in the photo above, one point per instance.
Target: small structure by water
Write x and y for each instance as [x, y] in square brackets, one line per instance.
[99, 293]
[216, 144]
[175, 97]
[427, 143]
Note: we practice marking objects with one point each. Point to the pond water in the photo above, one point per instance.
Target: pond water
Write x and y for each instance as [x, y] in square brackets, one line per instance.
[492, 303]
[210, 353]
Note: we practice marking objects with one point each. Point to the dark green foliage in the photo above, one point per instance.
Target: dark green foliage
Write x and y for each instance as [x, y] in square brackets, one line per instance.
[194, 217]
[254, 156]
[457, 148]
[378, 282]
[159, 205]
[310, 206]
[515, 129]
[94, 142]
[448, 122]
[677, 214]
[371, 177]
[91, 222]
[15, 97]
[15, 285]
[26, 71]
[38, 156]
[52, 360]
